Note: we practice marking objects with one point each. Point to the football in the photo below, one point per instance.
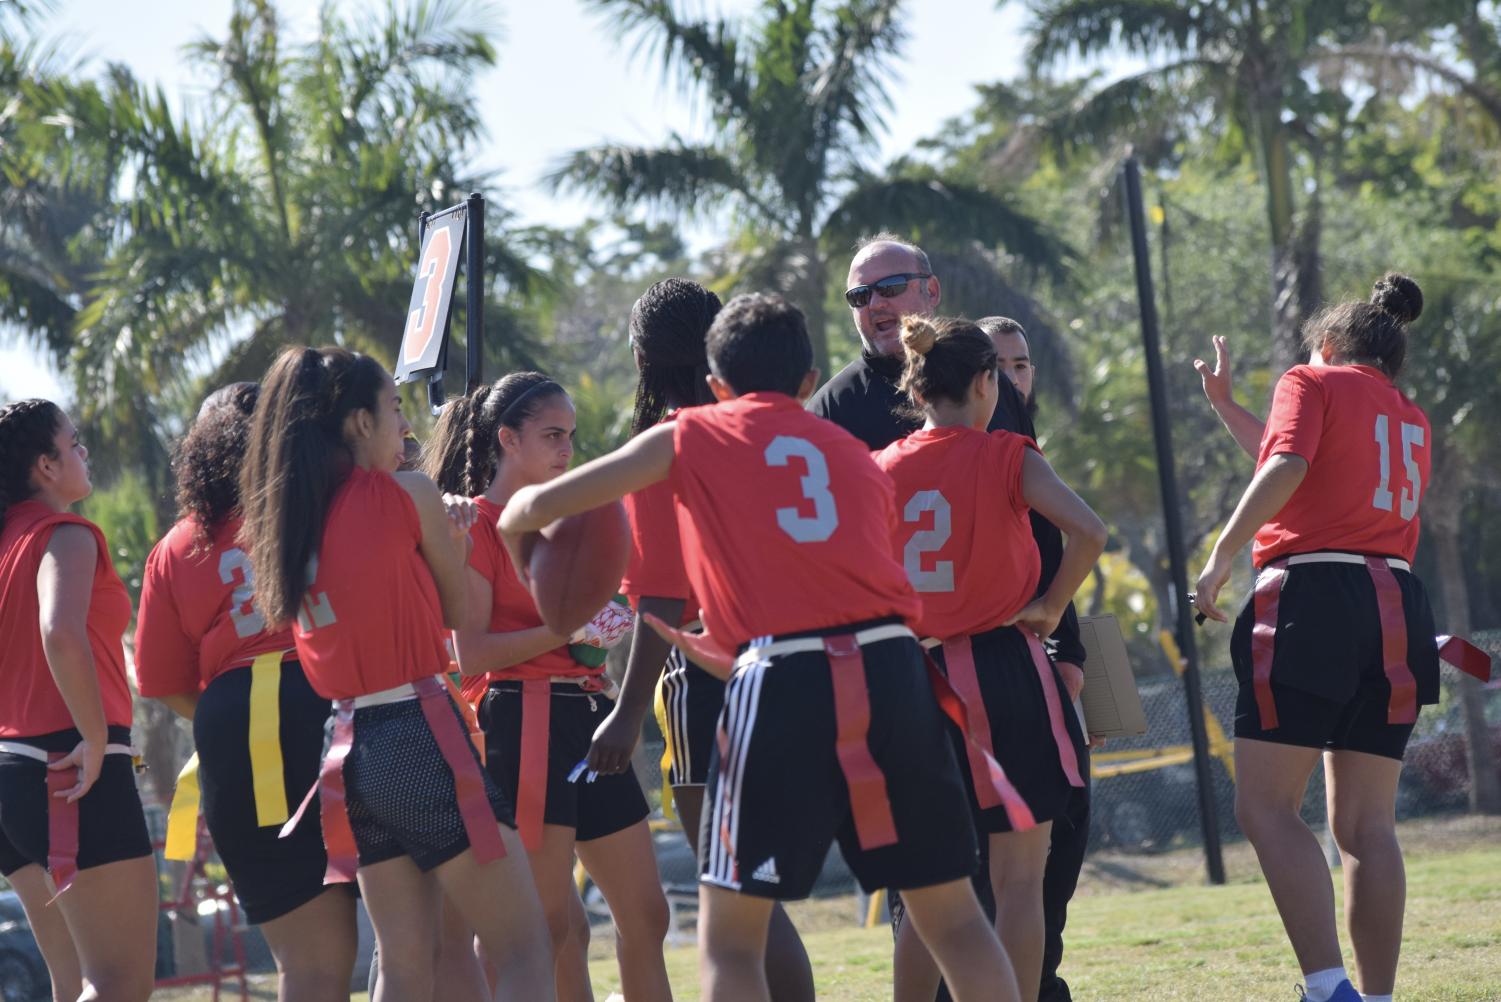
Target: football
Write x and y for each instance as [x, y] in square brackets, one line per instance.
[576, 565]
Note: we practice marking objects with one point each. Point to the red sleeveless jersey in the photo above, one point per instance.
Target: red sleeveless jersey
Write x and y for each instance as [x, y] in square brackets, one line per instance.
[197, 615]
[511, 606]
[30, 704]
[964, 535]
[786, 521]
[1369, 455]
[371, 618]
[656, 564]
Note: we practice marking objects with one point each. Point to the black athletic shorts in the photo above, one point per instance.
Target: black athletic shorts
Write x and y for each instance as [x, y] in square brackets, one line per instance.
[111, 823]
[399, 789]
[692, 699]
[609, 804]
[1328, 681]
[1021, 729]
[271, 875]
[777, 794]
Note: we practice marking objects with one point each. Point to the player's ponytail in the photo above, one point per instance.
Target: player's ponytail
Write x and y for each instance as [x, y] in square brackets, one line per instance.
[1372, 333]
[668, 327]
[207, 461]
[27, 430]
[944, 354]
[295, 459]
[463, 452]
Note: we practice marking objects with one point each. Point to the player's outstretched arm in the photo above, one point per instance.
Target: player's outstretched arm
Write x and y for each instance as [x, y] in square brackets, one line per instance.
[1244, 426]
[1269, 490]
[1085, 541]
[639, 463]
[615, 739]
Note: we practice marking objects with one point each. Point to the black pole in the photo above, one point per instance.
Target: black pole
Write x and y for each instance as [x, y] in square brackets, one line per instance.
[1163, 435]
[474, 286]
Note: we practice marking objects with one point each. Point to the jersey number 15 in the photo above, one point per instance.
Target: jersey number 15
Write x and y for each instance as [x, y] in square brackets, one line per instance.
[1412, 437]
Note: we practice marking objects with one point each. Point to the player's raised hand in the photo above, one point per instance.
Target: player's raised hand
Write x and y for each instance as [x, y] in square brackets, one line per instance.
[1218, 382]
[700, 648]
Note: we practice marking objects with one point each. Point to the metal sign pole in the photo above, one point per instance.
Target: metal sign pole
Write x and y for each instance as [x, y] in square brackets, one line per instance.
[1162, 434]
[474, 287]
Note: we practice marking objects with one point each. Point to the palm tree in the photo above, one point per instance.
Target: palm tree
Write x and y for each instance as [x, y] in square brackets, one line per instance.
[796, 95]
[1242, 63]
[283, 213]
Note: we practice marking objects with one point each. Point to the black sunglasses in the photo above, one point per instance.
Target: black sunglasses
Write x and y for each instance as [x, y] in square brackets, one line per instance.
[887, 288]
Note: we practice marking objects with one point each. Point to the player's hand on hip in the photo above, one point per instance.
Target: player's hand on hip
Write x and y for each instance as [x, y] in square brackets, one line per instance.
[700, 648]
[1037, 617]
[88, 758]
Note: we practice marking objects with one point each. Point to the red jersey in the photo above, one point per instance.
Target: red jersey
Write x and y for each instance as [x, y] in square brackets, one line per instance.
[511, 606]
[30, 704]
[656, 564]
[1368, 452]
[785, 521]
[197, 615]
[964, 535]
[371, 619]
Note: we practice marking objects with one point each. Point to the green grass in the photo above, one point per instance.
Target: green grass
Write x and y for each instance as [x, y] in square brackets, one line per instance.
[1146, 927]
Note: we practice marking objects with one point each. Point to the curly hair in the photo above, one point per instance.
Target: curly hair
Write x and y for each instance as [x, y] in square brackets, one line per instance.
[207, 461]
[668, 326]
[27, 430]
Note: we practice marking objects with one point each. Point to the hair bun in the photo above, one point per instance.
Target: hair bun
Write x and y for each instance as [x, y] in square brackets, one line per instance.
[1398, 295]
[918, 334]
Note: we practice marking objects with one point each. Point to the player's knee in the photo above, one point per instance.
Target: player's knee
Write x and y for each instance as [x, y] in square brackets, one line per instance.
[122, 982]
[1259, 816]
[646, 922]
[1363, 834]
[564, 931]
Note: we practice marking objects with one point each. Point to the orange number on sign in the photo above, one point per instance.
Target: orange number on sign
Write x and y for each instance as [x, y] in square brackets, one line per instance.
[422, 322]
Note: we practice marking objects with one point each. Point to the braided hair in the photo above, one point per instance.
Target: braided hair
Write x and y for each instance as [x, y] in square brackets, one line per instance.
[668, 326]
[27, 432]
[207, 461]
[463, 452]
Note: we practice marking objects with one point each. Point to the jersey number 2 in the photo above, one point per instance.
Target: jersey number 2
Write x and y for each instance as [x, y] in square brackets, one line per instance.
[234, 569]
[941, 577]
[1412, 437]
[821, 524]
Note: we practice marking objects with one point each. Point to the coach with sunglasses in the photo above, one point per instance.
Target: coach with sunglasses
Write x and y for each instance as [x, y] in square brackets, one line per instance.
[890, 278]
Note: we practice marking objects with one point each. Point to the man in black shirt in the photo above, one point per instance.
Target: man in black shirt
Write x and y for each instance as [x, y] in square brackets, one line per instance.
[888, 279]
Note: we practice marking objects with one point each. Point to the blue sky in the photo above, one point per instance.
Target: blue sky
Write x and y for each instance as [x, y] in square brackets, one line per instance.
[563, 82]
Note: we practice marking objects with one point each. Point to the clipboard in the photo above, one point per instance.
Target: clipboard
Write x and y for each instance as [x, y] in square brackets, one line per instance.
[1111, 703]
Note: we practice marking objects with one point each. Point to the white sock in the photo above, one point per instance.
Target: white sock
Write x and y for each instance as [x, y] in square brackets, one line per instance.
[1376, 998]
[1319, 985]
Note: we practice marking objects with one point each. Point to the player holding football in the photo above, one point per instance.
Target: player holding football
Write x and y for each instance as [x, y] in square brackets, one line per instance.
[828, 688]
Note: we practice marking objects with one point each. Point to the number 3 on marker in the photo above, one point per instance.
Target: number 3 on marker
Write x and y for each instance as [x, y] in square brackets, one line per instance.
[423, 321]
[815, 483]
[1412, 437]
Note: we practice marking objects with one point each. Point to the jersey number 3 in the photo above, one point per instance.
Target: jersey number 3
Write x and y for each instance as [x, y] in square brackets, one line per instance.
[821, 524]
[1412, 437]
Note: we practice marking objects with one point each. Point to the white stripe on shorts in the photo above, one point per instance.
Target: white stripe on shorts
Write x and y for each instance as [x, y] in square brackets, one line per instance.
[675, 702]
[742, 699]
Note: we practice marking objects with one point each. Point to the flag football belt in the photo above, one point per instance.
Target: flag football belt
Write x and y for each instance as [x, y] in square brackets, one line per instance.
[536, 733]
[870, 803]
[62, 817]
[959, 659]
[266, 773]
[449, 734]
[1402, 707]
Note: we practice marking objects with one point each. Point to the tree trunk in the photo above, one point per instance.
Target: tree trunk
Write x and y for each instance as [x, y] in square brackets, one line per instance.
[1444, 526]
[812, 289]
[1287, 312]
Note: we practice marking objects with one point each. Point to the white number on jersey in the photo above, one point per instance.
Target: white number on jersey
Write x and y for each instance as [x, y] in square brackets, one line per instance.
[1412, 437]
[234, 569]
[821, 524]
[316, 610]
[941, 577]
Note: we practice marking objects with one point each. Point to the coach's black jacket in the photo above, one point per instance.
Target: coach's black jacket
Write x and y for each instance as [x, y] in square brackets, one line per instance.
[863, 399]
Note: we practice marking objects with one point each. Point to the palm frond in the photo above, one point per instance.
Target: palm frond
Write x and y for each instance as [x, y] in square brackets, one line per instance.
[700, 53]
[934, 211]
[1375, 54]
[1135, 107]
[676, 177]
[1088, 28]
